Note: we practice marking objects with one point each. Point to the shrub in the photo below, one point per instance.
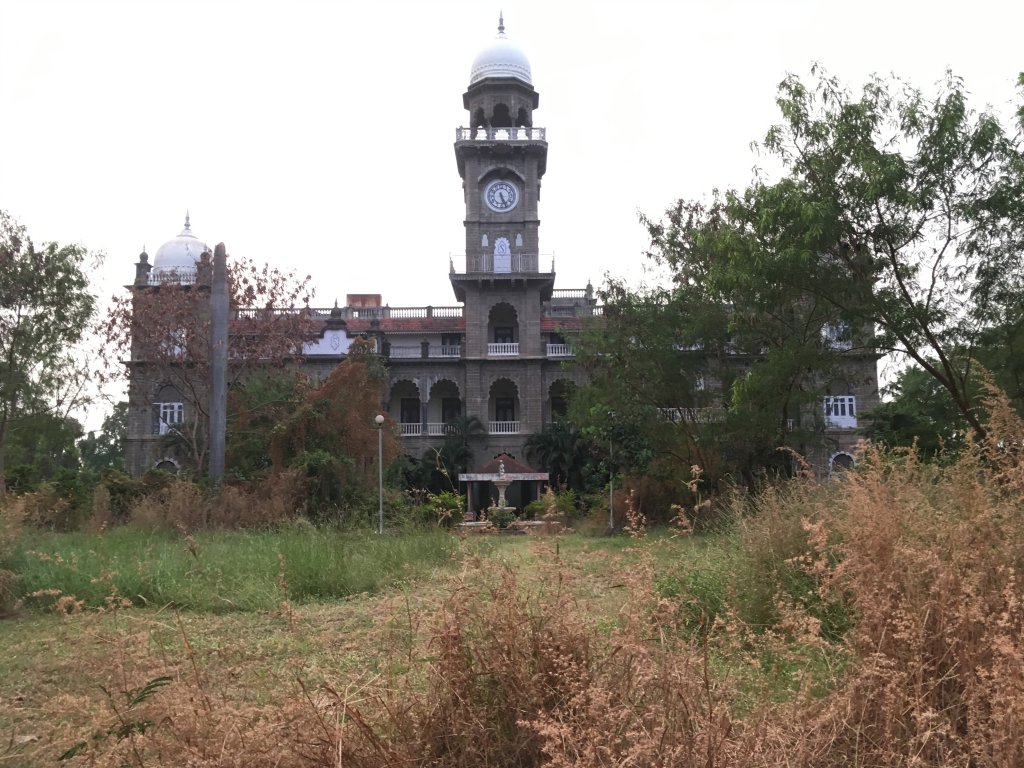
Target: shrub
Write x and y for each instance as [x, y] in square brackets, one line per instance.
[500, 517]
[122, 492]
[447, 507]
[46, 508]
[274, 500]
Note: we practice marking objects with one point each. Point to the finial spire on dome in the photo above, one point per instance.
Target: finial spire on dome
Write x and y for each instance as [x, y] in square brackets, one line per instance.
[187, 225]
[501, 22]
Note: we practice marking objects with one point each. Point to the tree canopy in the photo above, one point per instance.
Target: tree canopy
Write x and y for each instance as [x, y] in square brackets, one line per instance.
[894, 227]
[45, 310]
[901, 212]
[105, 449]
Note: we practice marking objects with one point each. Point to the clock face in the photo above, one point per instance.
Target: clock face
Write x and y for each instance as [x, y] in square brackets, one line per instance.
[501, 195]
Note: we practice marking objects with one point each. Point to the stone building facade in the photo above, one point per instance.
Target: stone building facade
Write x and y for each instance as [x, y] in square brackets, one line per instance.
[499, 351]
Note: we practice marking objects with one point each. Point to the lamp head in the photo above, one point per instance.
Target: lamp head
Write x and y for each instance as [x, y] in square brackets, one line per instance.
[379, 419]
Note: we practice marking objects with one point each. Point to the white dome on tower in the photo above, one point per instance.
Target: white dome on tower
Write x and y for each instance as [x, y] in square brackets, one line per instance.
[501, 58]
[181, 253]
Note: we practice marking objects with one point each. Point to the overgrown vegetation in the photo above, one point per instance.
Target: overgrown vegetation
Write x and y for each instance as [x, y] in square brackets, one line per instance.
[872, 621]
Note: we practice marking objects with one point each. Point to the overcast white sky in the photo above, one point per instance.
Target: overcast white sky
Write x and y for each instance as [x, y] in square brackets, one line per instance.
[318, 135]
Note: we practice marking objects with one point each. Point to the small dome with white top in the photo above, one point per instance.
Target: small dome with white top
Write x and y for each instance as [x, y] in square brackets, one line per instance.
[501, 58]
[180, 254]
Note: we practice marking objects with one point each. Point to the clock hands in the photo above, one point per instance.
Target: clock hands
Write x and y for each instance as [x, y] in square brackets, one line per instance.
[501, 196]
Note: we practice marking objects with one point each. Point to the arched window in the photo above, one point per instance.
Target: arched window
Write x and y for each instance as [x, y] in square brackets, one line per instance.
[840, 411]
[167, 410]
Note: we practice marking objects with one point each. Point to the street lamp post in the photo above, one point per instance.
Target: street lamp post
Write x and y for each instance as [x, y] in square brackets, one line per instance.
[379, 421]
[611, 479]
[611, 489]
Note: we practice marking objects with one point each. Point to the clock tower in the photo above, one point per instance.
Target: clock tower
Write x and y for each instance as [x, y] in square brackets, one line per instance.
[501, 157]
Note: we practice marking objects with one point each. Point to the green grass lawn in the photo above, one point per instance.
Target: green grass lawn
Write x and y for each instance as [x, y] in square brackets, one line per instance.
[221, 571]
[251, 617]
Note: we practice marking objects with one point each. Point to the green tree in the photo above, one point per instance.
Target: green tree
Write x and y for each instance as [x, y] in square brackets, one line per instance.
[701, 373]
[105, 449]
[331, 437]
[563, 451]
[45, 309]
[920, 412]
[256, 406]
[440, 468]
[901, 214]
[39, 447]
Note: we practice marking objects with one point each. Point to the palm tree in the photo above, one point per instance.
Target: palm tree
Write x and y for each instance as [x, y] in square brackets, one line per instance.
[465, 429]
[560, 450]
[455, 453]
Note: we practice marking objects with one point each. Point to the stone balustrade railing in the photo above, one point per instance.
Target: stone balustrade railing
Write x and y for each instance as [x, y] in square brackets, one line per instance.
[481, 133]
[511, 264]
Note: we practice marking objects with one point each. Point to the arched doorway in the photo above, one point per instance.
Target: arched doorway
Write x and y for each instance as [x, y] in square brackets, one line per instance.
[404, 403]
[503, 410]
[557, 405]
[840, 462]
[444, 406]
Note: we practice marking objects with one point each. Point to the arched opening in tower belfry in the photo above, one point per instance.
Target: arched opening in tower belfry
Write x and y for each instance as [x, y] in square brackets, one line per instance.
[503, 329]
[501, 118]
[523, 119]
[479, 118]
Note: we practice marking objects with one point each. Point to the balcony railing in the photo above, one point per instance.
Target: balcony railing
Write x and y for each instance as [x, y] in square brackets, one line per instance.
[445, 350]
[500, 134]
[559, 350]
[503, 350]
[503, 427]
[178, 276]
[405, 351]
[359, 313]
[513, 263]
[411, 430]
[572, 310]
[569, 293]
[439, 429]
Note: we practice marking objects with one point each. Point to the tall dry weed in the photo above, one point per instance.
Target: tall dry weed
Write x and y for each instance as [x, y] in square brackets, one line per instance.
[183, 505]
[12, 520]
[930, 559]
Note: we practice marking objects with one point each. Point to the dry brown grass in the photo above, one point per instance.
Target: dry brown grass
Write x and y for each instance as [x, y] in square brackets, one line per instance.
[580, 661]
[183, 505]
[931, 562]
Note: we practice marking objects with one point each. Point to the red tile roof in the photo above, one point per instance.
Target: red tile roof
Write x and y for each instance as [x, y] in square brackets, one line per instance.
[512, 467]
